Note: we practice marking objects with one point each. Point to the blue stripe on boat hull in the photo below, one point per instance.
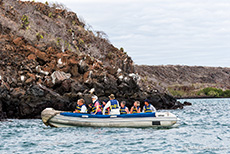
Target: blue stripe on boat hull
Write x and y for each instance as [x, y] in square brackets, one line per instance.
[108, 116]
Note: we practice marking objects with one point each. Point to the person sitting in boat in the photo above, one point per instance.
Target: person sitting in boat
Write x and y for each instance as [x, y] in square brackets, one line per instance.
[81, 107]
[124, 109]
[148, 108]
[96, 108]
[136, 107]
[114, 106]
[107, 111]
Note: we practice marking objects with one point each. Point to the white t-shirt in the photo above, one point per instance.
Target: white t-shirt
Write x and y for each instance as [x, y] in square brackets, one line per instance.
[83, 109]
[151, 108]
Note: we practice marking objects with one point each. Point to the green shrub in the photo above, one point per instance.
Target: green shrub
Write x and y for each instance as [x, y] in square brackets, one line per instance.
[58, 41]
[214, 92]
[226, 93]
[177, 93]
[81, 42]
[25, 22]
[109, 55]
[73, 23]
[50, 15]
[39, 36]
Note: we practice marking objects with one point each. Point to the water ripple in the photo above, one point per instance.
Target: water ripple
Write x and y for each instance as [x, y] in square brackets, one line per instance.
[204, 128]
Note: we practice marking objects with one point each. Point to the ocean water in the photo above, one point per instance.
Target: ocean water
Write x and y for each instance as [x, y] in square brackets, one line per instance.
[204, 128]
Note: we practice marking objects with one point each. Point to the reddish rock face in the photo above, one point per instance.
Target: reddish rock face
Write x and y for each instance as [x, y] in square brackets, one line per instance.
[74, 70]
[18, 41]
[73, 61]
[55, 61]
[86, 76]
[42, 55]
[29, 81]
[31, 57]
[17, 92]
[32, 76]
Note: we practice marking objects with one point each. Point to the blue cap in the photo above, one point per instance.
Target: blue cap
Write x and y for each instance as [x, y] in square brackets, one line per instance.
[105, 100]
[146, 100]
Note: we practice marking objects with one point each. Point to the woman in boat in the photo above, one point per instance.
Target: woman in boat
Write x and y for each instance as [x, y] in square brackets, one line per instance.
[124, 109]
[148, 108]
[136, 107]
[96, 108]
[107, 111]
[113, 104]
[81, 107]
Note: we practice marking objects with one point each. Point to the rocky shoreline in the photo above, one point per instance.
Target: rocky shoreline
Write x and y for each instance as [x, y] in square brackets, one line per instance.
[185, 81]
[49, 59]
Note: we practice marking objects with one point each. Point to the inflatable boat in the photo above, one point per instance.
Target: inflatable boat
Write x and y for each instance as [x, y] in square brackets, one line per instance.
[54, 118]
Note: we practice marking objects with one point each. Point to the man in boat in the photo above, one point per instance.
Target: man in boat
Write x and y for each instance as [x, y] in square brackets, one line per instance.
[148, 108]
[107, 111]
[96, 108]
[113, 104]
[124, 109]
[136, 107]
[81, 107]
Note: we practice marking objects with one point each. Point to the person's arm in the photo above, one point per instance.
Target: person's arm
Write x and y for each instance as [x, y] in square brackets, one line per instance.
[108, 104]
[108, 109]
[75, 111]
[131, 110]
[139, 110]
[153, 108]
[118, 104]
[143, 110]
[127, 110]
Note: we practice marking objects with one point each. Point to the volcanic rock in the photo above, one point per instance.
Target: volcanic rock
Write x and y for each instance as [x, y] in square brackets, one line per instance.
[52, 61]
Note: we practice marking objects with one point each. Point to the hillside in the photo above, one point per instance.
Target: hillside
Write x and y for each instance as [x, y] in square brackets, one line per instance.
[49, 58]
[184, 81]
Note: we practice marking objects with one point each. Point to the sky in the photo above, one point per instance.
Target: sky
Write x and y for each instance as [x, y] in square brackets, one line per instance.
[162, 32]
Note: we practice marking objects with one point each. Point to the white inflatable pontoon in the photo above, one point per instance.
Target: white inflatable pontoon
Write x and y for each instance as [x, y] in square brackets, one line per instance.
[56, 118]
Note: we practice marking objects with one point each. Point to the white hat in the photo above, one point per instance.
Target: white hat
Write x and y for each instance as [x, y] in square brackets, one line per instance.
[95, 97]
[112, 96]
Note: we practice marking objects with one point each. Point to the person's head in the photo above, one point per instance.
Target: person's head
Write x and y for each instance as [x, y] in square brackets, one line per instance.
[123, 104]
[94, 98]
[104, 102]
[80, 102]
[146, 102]
[111, 97]
[136, 103]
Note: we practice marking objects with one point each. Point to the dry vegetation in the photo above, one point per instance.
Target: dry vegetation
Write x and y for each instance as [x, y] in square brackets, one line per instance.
[52, 25]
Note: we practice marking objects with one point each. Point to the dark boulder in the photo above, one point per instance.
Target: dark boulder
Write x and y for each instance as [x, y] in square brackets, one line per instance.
[33, 103]
[36, 91]
[187, 103]
[2, 113]
[77, 87]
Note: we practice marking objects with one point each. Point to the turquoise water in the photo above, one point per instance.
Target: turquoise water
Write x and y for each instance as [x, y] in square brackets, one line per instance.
[204, 128]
